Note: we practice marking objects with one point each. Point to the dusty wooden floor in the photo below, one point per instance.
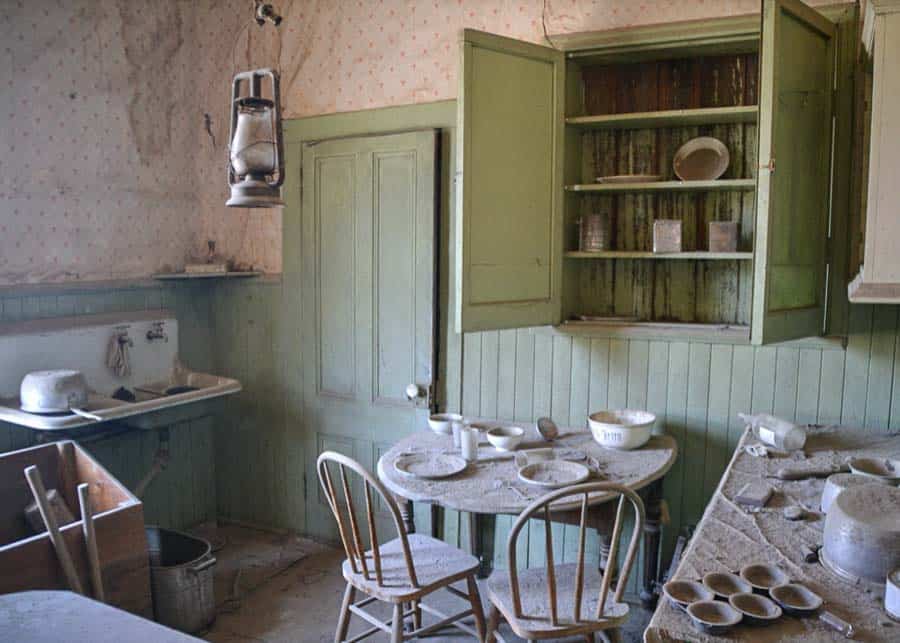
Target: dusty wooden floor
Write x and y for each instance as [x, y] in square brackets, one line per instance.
[273, 587]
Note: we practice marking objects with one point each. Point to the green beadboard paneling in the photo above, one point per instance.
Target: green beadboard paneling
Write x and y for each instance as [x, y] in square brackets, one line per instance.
[184, 493]
[695, 388]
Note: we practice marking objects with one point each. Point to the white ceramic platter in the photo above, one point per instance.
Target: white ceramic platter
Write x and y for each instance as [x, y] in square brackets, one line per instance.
[430, 466]
[630, 178]
[554, 474]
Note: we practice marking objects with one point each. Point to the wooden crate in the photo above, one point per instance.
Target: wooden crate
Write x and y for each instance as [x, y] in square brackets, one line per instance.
[28, 561]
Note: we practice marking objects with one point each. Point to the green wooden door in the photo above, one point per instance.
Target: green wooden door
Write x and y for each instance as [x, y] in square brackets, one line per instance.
[793, 203]
[368, 297]
[509, 182]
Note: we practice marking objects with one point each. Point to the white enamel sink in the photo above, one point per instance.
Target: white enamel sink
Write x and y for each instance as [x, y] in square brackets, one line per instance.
[157, 379]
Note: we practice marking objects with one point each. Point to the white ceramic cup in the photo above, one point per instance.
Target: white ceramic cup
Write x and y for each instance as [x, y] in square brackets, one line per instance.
[468, 438]
[457, 426]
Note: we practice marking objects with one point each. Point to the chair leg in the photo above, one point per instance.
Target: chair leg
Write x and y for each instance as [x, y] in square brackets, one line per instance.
[493, 622]
[477, 609]
[397, 624]
[417, 614]
[344, 619]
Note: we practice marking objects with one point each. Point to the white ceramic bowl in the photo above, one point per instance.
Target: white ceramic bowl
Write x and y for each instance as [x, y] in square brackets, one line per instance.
[53, 391]
[505, 438]
[621, 429]
[879, 469]
[443, 422]
[701, 159]
[837, 482]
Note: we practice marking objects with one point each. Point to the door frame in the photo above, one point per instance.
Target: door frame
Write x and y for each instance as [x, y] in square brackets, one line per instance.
[448, 345]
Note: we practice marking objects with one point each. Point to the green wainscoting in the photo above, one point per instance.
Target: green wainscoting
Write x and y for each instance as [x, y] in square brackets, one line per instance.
[184, 493]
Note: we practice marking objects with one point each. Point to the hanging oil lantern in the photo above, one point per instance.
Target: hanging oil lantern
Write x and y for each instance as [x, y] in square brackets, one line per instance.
[256, 171]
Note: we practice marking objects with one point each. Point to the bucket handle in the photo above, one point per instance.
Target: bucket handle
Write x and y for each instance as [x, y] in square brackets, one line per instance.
[206, 564]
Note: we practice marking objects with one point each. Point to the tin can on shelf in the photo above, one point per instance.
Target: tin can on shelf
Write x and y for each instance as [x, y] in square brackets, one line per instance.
[594, 232]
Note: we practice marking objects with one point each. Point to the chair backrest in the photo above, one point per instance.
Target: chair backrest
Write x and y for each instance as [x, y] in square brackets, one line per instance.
[541, 508]
[347, 521]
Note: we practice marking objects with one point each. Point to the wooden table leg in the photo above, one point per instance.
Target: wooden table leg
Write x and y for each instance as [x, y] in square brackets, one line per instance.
[652, 533]
[406, 514]
[437, 522]
[481, 541]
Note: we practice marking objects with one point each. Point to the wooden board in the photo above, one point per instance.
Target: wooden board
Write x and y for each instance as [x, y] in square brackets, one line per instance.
[30, 562]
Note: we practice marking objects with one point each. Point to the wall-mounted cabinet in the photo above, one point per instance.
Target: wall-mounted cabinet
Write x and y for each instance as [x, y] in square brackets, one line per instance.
[539, 125]
[878, 280]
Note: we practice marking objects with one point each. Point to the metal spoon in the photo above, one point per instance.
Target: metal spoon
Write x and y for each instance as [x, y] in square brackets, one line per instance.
[548, 429]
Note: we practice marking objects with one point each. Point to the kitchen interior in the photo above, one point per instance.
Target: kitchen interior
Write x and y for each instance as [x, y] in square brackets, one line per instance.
[398, 320]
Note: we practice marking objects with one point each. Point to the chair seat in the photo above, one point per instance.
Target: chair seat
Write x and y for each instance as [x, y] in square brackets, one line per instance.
[535, 621]
[437, 564]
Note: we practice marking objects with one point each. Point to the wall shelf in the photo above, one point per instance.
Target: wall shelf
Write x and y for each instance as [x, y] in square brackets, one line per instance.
[206, 275]
[668, 118]
[666, 186]
[635, 254]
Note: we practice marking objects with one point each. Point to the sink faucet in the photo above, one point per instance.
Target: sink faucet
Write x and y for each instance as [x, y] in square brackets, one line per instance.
[156, 332]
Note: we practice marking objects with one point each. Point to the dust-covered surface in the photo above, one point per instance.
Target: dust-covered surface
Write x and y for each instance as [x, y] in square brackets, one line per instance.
[492, 486]
[730, 536]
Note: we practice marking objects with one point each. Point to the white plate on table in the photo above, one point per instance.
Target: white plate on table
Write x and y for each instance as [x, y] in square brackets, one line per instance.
[429, 466]
[554, 474]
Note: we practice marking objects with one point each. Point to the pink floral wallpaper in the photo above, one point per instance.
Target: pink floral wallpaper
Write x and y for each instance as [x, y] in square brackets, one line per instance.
[113, 150]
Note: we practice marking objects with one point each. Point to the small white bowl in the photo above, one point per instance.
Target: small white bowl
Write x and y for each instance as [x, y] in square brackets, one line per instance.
[621, 429]
[442, 423]
[505, 438]
[879, 469]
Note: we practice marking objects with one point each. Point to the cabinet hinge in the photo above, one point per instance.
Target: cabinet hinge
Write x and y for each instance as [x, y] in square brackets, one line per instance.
[304, 489]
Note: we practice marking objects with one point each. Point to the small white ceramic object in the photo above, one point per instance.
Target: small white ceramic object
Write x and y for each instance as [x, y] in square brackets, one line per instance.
[440, 422]
[682, 593]
[756, 608]
[892, 595]
[456, 428]
[554, 474]
[836, 483]
[724, 584]
[763, 576]
[505, 438]
[530, 456]
[884, 469]
[468, 439]
[621, 429]
[713, 617]
[796, 599]
[701, 159]
[430, 466]
[53, 391]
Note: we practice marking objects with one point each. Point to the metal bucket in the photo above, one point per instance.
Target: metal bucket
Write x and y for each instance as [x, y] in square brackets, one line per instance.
[594, 232]
[181, 579]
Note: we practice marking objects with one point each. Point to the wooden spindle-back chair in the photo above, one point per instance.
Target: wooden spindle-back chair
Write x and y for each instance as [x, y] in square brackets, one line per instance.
[571, 599]
[400, 571]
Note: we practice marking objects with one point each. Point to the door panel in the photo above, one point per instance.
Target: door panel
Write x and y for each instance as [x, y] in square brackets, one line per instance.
[793, 203]
[509, 217]
[368, 312]
[337, 273]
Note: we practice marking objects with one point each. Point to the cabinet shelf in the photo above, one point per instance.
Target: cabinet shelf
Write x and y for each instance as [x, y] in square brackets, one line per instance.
[668, 118]
[666, 186]
[637, 254]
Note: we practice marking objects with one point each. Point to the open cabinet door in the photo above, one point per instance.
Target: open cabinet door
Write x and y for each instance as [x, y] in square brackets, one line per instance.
[793, 203]
[509, 184]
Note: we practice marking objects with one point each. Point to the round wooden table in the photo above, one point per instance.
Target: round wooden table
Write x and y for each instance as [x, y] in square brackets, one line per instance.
[491, 487]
